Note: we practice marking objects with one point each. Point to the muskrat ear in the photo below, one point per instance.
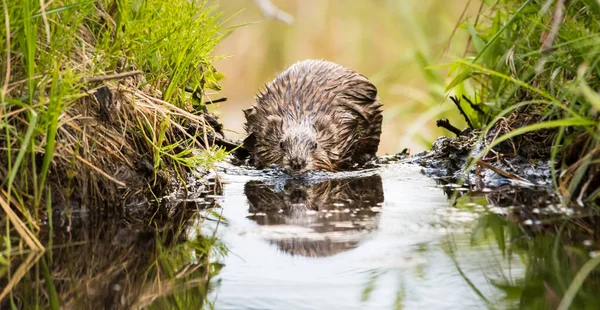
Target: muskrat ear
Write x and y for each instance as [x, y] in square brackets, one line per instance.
[248, 112]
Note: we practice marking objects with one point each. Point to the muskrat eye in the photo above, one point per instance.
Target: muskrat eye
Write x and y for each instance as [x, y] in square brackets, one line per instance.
[281, 146]
[313, 145]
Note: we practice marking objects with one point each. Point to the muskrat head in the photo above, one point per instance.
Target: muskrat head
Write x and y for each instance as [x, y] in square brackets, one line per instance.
[298, 146]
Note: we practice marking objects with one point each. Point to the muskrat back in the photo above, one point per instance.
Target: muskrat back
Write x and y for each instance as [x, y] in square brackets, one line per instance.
[316, 115]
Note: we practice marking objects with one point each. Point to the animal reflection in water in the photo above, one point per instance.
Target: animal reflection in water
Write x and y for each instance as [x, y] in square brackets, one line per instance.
[316, 220]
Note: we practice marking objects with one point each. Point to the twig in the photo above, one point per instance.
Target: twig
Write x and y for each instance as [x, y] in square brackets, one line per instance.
[171, 108]
[106, 175]
[45, 19]
[269, 10]
[19, 208]
[473, 106]
[583, 191]
[113, 76]
[197, 94]
[444, 123]
[557, 17]
[8, 67]
[15, 277]
[501, 172]
[26, 235]
[216, 100]
[457, 103]
[458, 22]
[46, 5]
[204, 134]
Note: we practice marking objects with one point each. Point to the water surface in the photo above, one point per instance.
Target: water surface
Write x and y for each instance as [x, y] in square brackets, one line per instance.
[384, 238]
[379, 241]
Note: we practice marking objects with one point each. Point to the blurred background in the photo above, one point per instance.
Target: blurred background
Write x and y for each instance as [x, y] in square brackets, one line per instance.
[392, 42]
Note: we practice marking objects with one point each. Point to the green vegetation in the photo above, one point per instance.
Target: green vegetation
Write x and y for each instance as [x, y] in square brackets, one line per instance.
[101, 101]
[104, 101]
[533, 76]
[557, 258]
[536, 74]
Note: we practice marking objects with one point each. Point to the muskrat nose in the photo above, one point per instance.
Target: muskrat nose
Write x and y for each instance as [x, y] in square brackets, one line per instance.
[297, 164]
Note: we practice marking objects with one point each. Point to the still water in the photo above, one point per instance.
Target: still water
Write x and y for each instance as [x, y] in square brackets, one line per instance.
[381, 239]
[384, 238]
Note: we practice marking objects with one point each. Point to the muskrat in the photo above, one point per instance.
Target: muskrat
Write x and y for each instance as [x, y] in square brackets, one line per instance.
[316, 115]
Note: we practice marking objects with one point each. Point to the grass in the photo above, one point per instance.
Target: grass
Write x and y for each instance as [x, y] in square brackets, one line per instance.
[99, 104]
[556, 272]
[534, 68]
[539, 62]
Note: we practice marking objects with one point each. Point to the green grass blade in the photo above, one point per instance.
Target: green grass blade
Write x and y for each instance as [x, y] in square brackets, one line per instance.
[24, 145]
[50, 287]
[537, 126]
[580, 277]
[515, 81]
[63, 8]
[592, 96]
[499, 32]
[54, 111]
[477, 41]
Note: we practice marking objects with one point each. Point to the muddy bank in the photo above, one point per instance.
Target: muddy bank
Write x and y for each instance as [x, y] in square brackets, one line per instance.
[454, 159]
[123, 164]
[514, 179]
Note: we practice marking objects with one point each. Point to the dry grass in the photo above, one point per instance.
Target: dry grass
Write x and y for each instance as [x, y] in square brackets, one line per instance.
[88, 119]
[95, 109]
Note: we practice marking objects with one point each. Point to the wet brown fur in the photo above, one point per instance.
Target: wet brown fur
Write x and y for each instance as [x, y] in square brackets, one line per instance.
[316, 115]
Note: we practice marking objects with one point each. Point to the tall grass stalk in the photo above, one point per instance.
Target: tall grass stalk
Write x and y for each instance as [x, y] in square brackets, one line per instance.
[54, 111]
